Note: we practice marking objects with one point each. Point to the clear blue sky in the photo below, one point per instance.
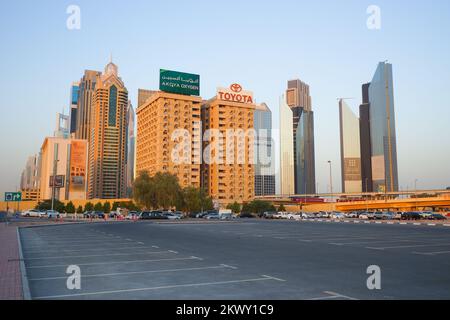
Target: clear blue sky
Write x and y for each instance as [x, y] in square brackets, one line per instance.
[260, 44]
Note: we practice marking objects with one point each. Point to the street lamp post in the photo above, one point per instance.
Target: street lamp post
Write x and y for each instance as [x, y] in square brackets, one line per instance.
[331, 180]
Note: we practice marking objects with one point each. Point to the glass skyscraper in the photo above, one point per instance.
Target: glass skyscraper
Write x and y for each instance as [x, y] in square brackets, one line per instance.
[382, 130]
[74, 97]
[299, 100]
[350, 149]
[264, 161]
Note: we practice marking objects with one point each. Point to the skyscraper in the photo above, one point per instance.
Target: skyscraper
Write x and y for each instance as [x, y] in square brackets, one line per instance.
[62, 126]
[287, 171]
[365, 142]
[130, 148]
[350, 149]
[74, 95]
[108, 135]
[299, 100]
[84, 107]
[383, 142]
[30, 178]
[264, 160]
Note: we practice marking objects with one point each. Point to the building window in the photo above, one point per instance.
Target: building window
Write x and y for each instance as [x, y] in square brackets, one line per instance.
[112, 106]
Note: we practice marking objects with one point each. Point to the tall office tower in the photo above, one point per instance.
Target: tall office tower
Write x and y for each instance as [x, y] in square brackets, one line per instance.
[130, 148]
[228, 171]
[62, 126]
[63, 169]
[350, 149]
[74, 95]
[264, 160]
[107, 145]
[287, 171]
[365, 143]
[169, 136]
[299, 100]
[84, 107]
[30, 178]
[382, 130]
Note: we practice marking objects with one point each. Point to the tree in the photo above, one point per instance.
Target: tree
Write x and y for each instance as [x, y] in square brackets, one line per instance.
[70, 208]
[89, 206]
[234, 207]
[98, 206]
[160, 191]
[47, 205]
[80, 209]
[107, 207]
[281, 208]
[115, 206]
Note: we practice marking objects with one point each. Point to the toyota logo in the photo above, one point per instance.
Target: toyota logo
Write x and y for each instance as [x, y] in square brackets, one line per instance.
[236, 87]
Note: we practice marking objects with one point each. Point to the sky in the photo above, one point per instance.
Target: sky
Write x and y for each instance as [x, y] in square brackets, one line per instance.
[259, 44]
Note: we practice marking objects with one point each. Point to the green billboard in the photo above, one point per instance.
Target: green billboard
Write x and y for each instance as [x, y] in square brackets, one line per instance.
[179, 82]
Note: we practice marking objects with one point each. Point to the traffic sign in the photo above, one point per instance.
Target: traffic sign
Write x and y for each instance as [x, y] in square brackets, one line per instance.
[13, 196]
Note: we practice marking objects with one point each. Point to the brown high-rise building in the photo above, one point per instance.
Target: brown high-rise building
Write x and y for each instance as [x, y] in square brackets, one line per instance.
[229, 178]
[108, 137]
[169, 136]
[84, 107]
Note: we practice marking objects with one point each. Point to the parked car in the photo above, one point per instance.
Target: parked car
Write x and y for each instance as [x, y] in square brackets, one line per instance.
[280, 215]
[212, 216]
[32, 213]
[268, 215]
[294, 216]
[425, 214]
[337, 215]
[366, 215]
[171, 215]
[246, 215]
[352, 215]
[152, 215]
[398, 216]
[53, 214]
[388, 215]
[411, 216]
[113, 214]
[99, 215]
[437, 216]
[323, 214]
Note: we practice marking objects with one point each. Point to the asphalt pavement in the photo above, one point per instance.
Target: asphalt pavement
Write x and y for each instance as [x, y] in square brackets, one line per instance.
[243, 259]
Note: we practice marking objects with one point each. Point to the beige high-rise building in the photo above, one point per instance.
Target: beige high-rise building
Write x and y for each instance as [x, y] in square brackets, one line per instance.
[169, 136]
[84, 107]
[228, 156]
[108, 137]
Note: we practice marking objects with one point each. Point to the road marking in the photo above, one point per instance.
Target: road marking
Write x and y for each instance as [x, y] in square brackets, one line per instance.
[128, 240]
[140, 242]
[156, 247]
[431, 224]
[228, 266]
[274, 278]
[431, 253]
[98, 255]
[83, 250]
[155, 288]
[366, 221]
[356, 221]
[112, 262]
[417, 224]
[133, 272]
[172, 251]
[105, 242]
[410, 246]
[339, 295]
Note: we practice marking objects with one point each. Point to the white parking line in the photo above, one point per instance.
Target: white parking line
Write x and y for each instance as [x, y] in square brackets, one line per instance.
[410, 246]
[99, 255]
[133, 272]
[112, 262]
[431, 253]
[264, 278]
[83, 250]
[369, 242]
[333, 295]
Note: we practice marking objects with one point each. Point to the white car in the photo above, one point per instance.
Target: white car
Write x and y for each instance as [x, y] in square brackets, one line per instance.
[294, 216]
[32, 213]
[337, 215]
[53, 214]
[171, 216]
[280, 215]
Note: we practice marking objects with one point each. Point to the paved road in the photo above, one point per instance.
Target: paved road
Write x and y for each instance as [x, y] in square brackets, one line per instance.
[249, 259]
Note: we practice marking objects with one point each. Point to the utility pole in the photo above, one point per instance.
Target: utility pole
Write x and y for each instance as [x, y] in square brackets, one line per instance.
[331, 180]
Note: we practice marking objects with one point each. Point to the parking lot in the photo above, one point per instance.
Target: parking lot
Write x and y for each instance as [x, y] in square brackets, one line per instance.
[243, 259]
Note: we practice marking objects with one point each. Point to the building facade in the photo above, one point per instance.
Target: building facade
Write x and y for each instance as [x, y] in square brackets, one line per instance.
[228, 169]
[84, 106]
[131, 150]
[287, 171]
[365, 141]
[169, 136]
[264, 160]
[382, 130]
[74, 97]
[30, 178]
[108, 135]
[63, 169]
[299, 100]
[350, 149]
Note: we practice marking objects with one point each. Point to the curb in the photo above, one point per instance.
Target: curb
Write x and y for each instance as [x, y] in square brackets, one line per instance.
[23, 271]
[383, 222]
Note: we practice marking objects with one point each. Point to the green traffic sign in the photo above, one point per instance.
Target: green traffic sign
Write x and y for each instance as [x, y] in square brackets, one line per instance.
[13, 196]
[179, 82]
